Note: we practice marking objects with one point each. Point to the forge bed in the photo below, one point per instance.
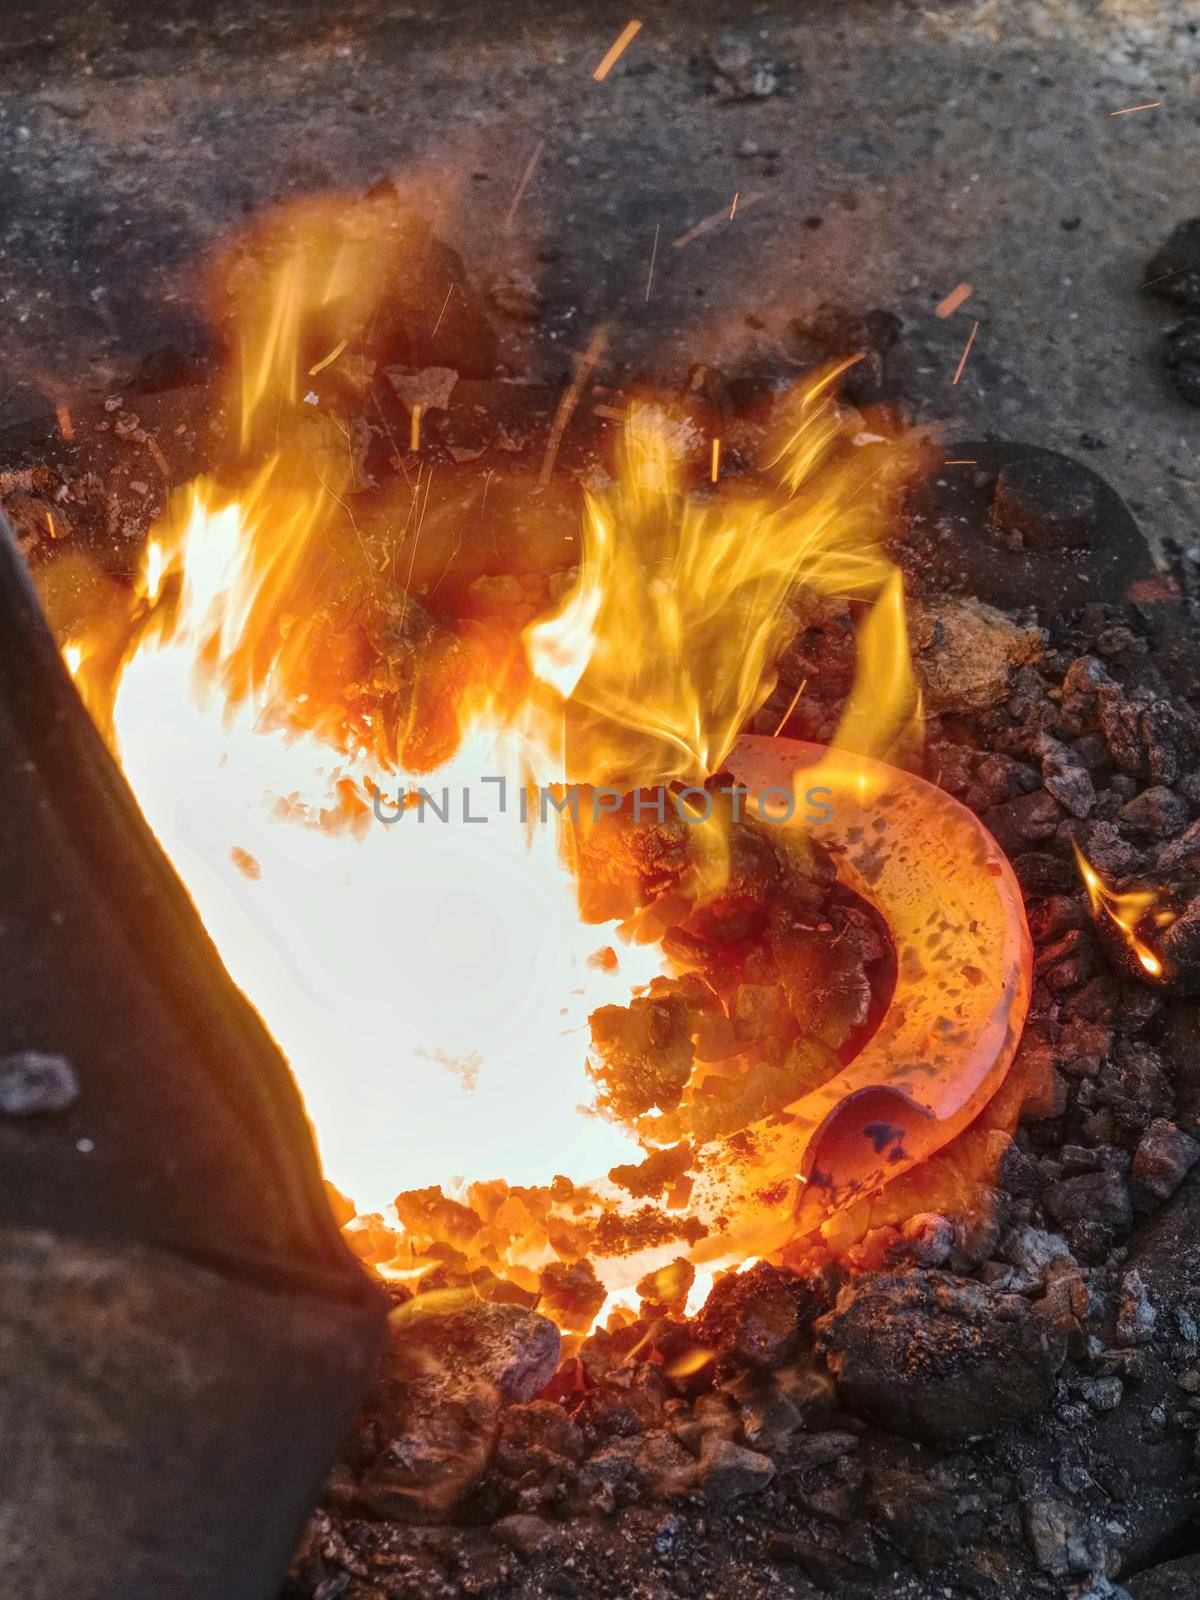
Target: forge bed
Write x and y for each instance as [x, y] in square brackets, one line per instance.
[881, 155]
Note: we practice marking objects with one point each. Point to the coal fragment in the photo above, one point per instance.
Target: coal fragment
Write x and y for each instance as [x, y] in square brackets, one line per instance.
[932, 1356]
[1061, 1539]
[1046, 502]
[1181, 358]
[1164, 1157]
[1173, 271]
[729, 1471]
[756, 1316]
[1173, 1580]
[34, 1083]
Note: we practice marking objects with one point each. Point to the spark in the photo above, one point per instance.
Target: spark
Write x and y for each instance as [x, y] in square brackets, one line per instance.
[619, 46]
[524, 184]
[1174, 273]
[442, 312]
[707, 223]
[961, 463]
[329, 359]
[569, 401]
[792, 704]
[415, 442]
[733, 207]
[1124, 112]
[962, 363]
[716, 459]
[956, 297]
[65, 426]
[653, 258]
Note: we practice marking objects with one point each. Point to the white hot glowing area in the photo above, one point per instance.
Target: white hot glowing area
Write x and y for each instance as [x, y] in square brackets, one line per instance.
[429, 982]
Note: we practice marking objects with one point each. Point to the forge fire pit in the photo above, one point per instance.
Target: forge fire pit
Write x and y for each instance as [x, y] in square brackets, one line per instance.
[602, 977]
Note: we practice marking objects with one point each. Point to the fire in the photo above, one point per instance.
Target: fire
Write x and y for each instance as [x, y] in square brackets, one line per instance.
[431, 982]
[1126, 911]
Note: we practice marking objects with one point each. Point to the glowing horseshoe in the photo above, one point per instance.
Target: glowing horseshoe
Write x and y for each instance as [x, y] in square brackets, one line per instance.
[964, 959]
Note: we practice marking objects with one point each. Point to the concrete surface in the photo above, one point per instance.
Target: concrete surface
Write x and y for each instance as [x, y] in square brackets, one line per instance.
[901, 149]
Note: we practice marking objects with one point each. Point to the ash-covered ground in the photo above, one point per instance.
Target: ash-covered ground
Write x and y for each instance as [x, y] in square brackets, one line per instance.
[882, 153]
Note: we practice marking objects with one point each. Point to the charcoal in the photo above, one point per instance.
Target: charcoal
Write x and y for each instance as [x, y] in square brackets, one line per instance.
[534, 1437]
[1173, 1580]
[927, 1239]
[756, 1316]
[1096, 1197]
[1180, 948]
[1164, 1157]
[35, 1083]
[1045, 503]
[938, 1357]
[1173, 271]
[1181, 358]
[1069, 782]
[729, 1471]
[1157, 813]
[570, 1293]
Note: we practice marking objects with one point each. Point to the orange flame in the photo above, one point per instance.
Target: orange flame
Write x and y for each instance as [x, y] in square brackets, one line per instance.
[1125, 910]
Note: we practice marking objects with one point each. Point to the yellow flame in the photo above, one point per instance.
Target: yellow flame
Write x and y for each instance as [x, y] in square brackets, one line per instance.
[667, 643]
[1126, 910]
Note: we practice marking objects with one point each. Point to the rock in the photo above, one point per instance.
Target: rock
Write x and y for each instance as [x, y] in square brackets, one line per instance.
[965, 651]
[1173, 271]
[1045, 503]
[938, 1357]
[1173, 1580]
[1164, 1157]
[1156, 813]
[756, 1316]
[1061, 1540]
[1181, 358]
[1136, 1316]
[34, 1083]
[728, 1471]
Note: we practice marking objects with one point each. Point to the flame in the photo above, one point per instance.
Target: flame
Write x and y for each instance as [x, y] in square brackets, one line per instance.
[1125, 910]
[430, 984]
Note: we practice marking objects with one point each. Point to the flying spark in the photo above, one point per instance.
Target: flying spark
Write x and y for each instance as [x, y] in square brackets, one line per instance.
[523, 185]
[653, 258]
[415, 442]
[962, 363]
[707, 223]
[716, 459]
[956, 297]
[1124, 112]
[619, 46]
